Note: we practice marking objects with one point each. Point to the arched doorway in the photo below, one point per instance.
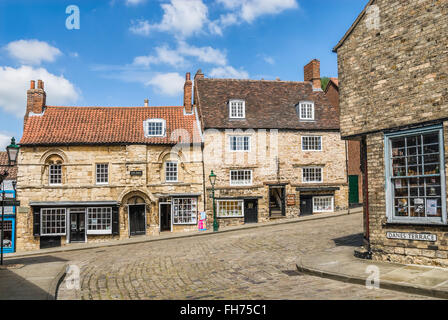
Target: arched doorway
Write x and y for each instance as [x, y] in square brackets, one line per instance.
[137, 216]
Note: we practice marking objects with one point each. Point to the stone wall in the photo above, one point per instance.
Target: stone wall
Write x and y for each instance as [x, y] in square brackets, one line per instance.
[400, 251]
[395, 74]
[80, 185]
[275, 158]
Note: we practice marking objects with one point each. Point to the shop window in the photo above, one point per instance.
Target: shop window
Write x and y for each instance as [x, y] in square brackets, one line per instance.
[230, 208]
[7, 234]
[53, 222]
[99, 221]
[415, 176]
[323, 204]
[185, 210]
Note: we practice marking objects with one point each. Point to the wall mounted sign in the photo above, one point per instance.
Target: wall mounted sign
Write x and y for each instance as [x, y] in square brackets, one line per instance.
[291, 200]
[411, 236]
[136, 173]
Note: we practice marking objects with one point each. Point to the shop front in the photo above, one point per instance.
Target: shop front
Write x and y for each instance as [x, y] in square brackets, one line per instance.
[317, 200]
[57, 223]
[178, 212]
[9, 228]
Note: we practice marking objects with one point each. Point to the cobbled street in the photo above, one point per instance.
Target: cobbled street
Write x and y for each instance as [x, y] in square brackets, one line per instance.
[248, 264]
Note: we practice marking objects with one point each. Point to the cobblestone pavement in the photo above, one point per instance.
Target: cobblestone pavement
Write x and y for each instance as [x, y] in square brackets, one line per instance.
[249, 264]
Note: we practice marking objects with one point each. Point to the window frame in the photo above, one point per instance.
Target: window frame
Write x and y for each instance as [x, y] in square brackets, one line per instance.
[321, 197]
[243, 109]
[166, 171]
[249, 143]
[232, 182]
[98, 232]
[96, 173]
[146, 124]
[321, 175]
[42, 225]
[194, 215]
[50, 174]
[388, 174]
[312, 150]
[302, 104]
[218, 207]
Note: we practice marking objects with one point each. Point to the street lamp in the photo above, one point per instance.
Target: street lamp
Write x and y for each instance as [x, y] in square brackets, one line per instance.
[13, 151]
[212, 182]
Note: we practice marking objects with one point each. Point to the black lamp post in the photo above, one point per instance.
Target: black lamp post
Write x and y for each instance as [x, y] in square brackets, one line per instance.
[212, 182]
[13, 151]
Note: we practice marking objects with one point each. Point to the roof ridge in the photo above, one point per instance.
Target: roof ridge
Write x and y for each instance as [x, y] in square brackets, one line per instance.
[255, 80]
[115, 107]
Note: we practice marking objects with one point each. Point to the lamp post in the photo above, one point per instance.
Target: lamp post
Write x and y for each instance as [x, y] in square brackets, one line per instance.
[212, 182]
[13, 151]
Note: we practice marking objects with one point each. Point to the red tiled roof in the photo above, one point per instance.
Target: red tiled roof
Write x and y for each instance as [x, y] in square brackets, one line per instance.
[107, 125]
[12, 171]
[335, 80]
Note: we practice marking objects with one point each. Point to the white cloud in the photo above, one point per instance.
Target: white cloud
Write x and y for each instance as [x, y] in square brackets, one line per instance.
[134, 2]
[32, 52]
[248, 11]
[181, 17]
[168, 83]
[228, 72]
[176, 57]
[5, 140]
[15, 82]
[140, 27]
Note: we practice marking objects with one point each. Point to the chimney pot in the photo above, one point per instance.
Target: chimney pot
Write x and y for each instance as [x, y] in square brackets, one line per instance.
[188, 76]
[40, 84]
[32, 84]
[146, 102]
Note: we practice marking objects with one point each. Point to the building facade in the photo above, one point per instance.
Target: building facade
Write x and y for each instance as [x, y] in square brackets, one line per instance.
[393, 69]
[89, 174]
[8, 186]
[275, 147]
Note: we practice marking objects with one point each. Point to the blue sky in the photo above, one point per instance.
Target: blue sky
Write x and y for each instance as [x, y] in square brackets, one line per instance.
[129, 50]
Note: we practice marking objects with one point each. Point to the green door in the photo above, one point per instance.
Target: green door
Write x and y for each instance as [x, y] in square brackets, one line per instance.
[353, 196]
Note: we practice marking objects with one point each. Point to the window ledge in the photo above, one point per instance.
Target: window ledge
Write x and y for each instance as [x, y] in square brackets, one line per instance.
[414, 224]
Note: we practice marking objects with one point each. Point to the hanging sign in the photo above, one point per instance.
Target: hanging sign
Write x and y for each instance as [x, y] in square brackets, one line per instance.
[411, 236]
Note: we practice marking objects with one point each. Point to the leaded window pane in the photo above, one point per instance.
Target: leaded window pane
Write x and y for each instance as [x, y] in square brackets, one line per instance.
[184, 210]
[53, 222]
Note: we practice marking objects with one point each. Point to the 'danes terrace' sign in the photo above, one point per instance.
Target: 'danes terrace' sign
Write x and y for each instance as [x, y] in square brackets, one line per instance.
[411, 236]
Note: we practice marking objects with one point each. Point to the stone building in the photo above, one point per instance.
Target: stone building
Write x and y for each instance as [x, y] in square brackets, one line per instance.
[393, 70]
[353, 151]
[275, 147]
[89, 174]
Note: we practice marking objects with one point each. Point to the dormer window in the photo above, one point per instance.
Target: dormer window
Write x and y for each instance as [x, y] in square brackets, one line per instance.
[155, 128]
[306, 110]
[237, 109]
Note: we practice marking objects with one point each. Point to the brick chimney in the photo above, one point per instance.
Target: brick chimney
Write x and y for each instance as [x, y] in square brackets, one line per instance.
[311, 72]
[199, 75]
[36, 98]
[188, 92]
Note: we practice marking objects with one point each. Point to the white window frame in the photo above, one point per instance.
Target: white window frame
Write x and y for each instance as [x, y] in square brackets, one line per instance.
[390, 180]
[99, 232]
[234, 103]
[50, 174]
[220, 203]
[313, 181]
[311, 144]
[147, 123]
[194, 213]
[107, 173]
[304, 104]
[166, 170]
[321, 198]
[249, 142]
[64, 210]
[243, 172]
